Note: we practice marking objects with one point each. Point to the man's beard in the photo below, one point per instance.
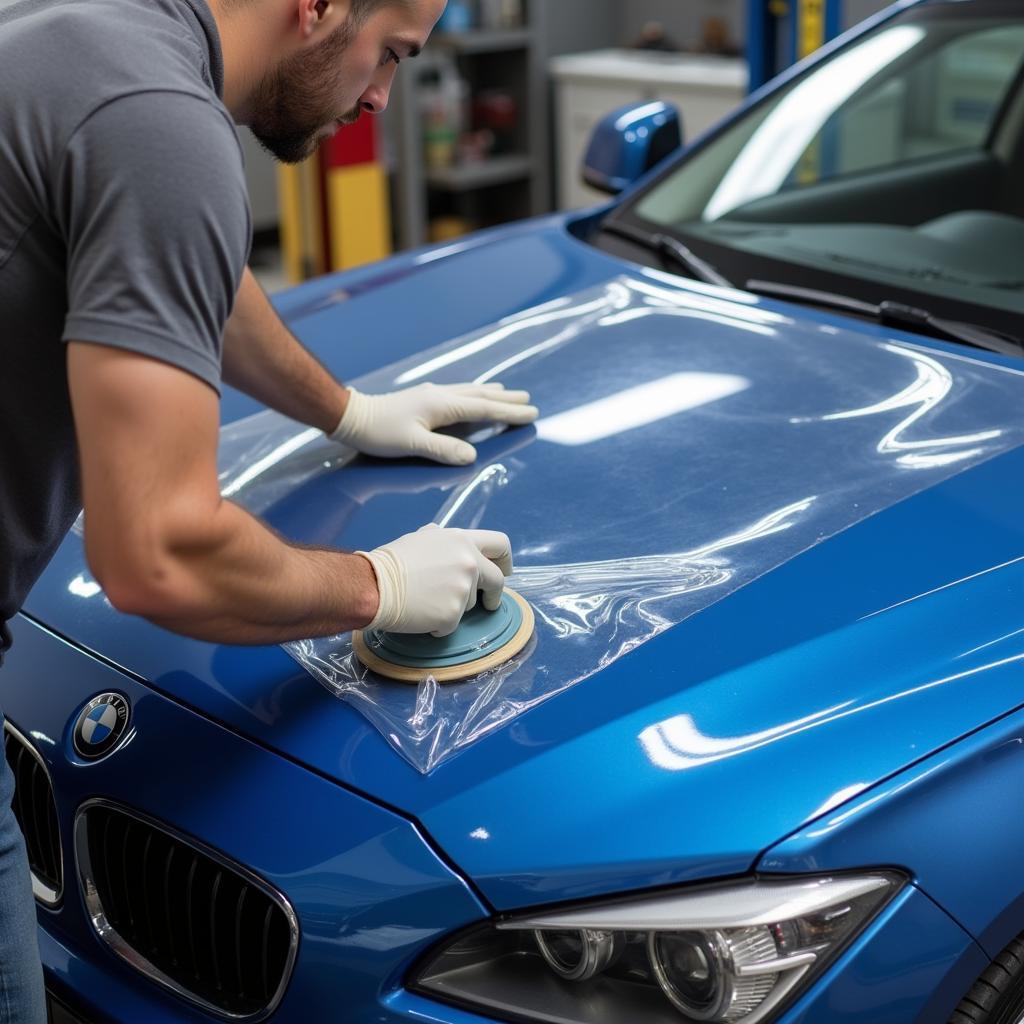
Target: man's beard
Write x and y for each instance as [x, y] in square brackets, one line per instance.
[293, 103]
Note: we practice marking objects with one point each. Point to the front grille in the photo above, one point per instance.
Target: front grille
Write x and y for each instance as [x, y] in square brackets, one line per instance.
[36, 812]
[204, 928]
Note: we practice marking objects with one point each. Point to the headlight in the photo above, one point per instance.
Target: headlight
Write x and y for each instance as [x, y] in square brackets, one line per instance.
[577, 955]
[728, 954]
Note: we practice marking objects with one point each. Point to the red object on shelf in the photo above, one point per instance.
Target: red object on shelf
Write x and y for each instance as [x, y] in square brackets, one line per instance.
[354, 144]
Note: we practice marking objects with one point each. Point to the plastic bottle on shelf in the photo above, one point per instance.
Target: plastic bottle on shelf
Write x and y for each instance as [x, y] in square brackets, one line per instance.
[443, 103]
[501, 14]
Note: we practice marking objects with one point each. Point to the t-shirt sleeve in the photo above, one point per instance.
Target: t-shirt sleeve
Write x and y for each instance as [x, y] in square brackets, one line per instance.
[155, 215]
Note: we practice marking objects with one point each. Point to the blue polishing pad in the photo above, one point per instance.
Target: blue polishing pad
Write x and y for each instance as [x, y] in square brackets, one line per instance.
[479, 633]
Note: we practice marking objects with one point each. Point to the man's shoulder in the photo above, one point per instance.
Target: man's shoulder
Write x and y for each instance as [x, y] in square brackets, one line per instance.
[79, 56]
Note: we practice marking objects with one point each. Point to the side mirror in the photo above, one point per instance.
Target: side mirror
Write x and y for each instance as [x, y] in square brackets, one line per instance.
[628, 142]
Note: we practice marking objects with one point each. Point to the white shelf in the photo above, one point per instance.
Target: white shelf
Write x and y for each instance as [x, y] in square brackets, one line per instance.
[496, 170]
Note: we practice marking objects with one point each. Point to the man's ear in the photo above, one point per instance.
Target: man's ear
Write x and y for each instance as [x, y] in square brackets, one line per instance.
[315, 13]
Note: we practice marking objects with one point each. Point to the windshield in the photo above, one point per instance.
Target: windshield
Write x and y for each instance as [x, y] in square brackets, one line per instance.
[892, 170]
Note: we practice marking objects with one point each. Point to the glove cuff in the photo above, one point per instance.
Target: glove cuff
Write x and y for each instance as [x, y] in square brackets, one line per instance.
[353, 420]
[390, 585]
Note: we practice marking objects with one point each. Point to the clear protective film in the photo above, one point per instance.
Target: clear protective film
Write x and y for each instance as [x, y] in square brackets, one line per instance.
[688, 443]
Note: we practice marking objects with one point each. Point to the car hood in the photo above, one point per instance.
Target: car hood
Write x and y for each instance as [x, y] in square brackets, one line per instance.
[857, 609]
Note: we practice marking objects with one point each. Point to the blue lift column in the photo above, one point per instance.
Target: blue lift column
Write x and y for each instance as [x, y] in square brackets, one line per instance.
[781, 32]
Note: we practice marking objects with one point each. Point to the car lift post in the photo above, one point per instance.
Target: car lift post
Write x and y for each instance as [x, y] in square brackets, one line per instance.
[781, 32]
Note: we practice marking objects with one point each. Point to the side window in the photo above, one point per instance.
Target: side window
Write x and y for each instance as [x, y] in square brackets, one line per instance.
[938, 104]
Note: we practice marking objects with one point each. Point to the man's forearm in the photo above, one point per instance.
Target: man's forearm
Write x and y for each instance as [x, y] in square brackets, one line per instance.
[263, 359]
[234, 581]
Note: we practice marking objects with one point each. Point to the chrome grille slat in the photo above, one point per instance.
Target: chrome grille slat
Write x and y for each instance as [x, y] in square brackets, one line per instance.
[265, 944]
[149, 933]
[172, 943]
[201, 949]
[36, 810]
[239, 909]
[218, 984]
[189, 916]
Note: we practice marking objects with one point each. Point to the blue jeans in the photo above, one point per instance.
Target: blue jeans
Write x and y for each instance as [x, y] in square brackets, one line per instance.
[22, 1000]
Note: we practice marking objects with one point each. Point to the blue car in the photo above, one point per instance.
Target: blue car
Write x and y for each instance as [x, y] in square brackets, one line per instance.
[760, 760]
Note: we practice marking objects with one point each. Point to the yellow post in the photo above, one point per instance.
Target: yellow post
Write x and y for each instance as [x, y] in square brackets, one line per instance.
[810, 36]
[360, 220]
[810, 27]
[301, 220]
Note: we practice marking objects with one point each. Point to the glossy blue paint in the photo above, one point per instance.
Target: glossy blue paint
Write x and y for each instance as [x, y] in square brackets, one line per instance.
[947, 818]
[369, 892]
[844, 699]
[912, 966]
[770, 678]
[628, 142]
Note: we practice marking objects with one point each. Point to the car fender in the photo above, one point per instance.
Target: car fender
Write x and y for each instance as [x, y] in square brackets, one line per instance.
[950, 820]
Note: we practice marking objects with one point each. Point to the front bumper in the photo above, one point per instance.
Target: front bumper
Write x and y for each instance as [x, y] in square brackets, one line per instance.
[370, 894]
[911, 967]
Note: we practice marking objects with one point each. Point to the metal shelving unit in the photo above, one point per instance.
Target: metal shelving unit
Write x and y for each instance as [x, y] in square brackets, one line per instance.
[512, 59]
[496, 170]
[483, 40]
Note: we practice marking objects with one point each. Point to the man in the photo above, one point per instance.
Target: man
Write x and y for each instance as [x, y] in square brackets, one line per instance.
[124, 231]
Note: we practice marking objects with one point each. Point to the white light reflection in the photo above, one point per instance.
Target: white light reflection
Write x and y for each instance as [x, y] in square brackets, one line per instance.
[587, 594]
[946, 586]
[864, 805]
[741, 323]
[615, 296]
[545, 307]
[495, 475]
[677, 744]
[638, 406]
[440, 254]
[774, 149]
[387, 938]
[991, 643]
[734, 305]
[273, 458]
[838, 798]
[628, 119]
[930, 388]
[774, 522]
[82, 587]
[566, 334]
[711, 290]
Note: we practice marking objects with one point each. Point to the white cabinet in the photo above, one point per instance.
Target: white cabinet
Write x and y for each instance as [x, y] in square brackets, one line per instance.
[589, 85]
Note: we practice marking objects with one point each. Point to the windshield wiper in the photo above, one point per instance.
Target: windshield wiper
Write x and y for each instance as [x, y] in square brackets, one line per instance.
[672, 249]
[895, 314]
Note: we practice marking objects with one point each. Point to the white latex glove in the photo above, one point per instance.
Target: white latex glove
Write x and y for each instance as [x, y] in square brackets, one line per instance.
[403, 422]
[429, 579]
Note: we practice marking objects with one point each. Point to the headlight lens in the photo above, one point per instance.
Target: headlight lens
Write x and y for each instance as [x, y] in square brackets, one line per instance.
[694, 971]
[577, 956]
[730, 954]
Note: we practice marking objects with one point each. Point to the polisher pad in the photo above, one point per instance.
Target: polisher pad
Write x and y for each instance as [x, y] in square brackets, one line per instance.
[484, 640]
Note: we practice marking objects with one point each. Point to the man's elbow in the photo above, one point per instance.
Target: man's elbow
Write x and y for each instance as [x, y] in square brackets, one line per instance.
[151, 594]
[151, 583]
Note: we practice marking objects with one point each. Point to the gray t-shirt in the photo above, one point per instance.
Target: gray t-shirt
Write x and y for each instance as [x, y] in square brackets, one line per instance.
[124, 221]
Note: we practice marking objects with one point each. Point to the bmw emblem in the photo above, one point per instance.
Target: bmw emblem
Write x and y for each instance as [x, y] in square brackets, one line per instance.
[100, 726]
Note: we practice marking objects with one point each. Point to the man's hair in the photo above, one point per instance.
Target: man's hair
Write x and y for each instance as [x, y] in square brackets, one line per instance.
[360, 10]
